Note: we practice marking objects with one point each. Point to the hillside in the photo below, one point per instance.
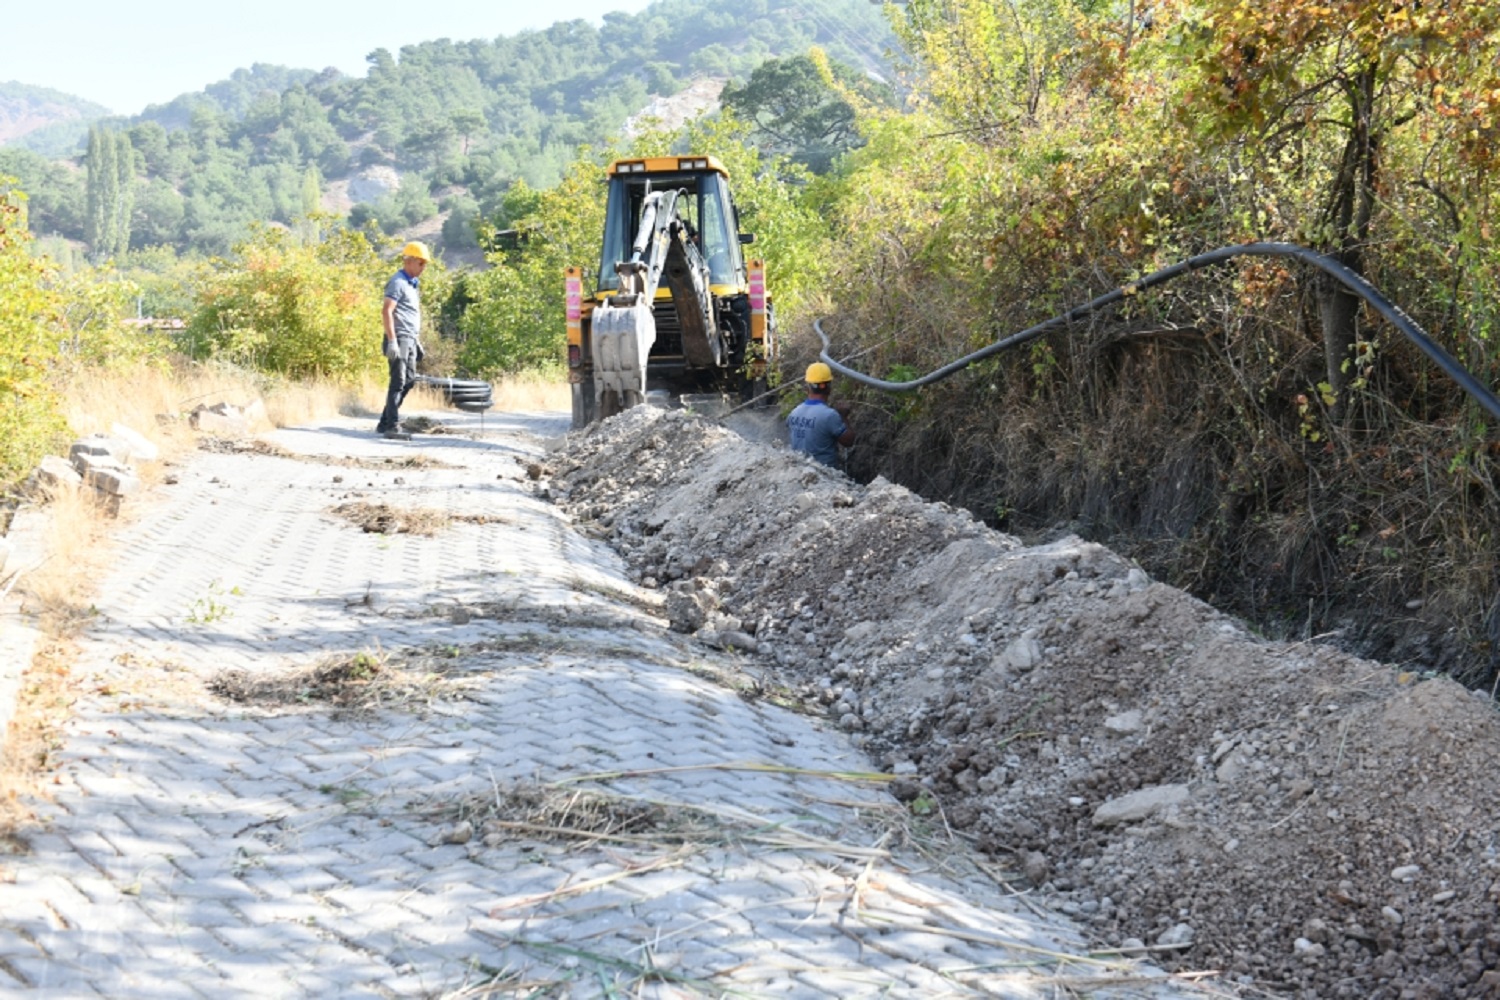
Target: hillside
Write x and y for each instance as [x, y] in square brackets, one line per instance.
[49, 120]
[437, 132]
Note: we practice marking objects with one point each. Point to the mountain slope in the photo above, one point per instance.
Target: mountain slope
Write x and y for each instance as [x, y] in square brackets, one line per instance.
[52, 122]
[450, 125]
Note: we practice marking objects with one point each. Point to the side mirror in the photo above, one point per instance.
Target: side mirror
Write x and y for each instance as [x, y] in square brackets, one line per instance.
[747, 238]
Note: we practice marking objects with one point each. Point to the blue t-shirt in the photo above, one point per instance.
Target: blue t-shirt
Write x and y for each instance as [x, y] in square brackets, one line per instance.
[816, 428]
[403, 290]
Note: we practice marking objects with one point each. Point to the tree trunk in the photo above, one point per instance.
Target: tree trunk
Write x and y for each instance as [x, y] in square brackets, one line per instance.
[1351, 206]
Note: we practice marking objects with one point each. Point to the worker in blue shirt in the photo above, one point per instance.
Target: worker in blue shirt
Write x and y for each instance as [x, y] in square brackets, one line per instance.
[817, 426]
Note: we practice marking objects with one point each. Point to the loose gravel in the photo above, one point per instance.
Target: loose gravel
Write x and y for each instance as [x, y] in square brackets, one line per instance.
[1312, 823]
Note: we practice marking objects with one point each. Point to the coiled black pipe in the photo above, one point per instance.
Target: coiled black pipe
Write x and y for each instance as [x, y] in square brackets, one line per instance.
[1354, 282]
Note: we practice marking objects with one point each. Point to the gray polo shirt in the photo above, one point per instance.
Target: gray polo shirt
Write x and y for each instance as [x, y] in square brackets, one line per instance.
[403, 290]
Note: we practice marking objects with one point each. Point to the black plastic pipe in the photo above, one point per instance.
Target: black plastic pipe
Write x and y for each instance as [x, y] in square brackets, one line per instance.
[1354, 282]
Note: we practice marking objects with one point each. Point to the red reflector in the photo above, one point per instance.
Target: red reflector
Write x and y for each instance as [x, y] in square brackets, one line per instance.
[575, 356]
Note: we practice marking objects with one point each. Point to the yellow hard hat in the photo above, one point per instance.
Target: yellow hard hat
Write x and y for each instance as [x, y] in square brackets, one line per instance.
[818, 373]
[418, 250]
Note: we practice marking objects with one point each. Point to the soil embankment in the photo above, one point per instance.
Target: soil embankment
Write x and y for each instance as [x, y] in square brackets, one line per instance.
[1303, 819]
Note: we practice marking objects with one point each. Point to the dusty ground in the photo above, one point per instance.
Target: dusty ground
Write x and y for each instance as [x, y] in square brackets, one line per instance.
[1315, 824]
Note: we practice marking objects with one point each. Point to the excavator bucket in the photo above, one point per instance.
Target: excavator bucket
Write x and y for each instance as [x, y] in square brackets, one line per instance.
[675, 302]
[623, 335]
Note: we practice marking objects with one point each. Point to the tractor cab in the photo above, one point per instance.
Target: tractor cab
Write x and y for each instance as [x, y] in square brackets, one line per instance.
[676, 307]
[706, 209]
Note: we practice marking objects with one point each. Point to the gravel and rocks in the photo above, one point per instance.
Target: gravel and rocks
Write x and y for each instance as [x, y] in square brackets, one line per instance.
[1307, 821]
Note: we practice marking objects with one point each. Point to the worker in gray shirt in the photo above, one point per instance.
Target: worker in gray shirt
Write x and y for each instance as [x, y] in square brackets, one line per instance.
[401, 315]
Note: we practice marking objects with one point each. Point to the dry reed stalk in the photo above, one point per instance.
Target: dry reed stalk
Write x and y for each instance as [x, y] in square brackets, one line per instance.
[872, 776]
[882, 920]
[672, 860]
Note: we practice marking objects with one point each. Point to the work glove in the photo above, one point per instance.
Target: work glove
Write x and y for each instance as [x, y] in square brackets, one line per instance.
[391, 349]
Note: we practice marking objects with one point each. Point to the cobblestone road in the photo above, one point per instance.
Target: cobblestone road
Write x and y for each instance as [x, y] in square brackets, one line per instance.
[270, 840]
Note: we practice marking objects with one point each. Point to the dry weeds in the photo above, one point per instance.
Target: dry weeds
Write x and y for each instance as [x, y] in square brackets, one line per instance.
[561, 811]
[531, 392]
[259, 446]
[364, 682]
[42, 706]
[57, 593]
[58, 590]
[383, 519]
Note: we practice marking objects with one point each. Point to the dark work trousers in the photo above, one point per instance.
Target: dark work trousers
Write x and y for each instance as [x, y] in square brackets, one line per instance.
[403, 377]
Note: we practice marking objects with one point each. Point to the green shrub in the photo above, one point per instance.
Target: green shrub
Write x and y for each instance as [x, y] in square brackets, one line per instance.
[30, 423]
[300, 309]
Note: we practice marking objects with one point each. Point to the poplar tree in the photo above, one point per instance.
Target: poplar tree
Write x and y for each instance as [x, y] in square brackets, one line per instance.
[124, 194]
[102, 183]
[110, 191]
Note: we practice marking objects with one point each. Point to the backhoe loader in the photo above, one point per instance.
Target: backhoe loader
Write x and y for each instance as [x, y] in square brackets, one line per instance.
[675, 308]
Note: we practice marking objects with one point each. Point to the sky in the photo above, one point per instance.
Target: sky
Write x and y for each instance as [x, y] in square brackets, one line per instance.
[126, 54]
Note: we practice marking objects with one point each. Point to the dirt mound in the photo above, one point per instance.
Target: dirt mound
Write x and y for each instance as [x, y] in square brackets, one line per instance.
[1302, 819]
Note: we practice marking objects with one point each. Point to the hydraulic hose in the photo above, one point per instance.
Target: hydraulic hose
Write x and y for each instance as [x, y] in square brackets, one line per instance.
[1354, 282]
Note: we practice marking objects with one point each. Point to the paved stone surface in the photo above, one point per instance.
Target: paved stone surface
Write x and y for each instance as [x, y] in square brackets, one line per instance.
[439, 843]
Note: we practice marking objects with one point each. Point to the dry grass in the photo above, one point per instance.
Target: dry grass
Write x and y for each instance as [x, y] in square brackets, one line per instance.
[42, 706]
[366, 681]
[289, 404]
[147, 399]
[531, 392]
[561, 812]
[383, 519]
[269, 449]
[58, 592]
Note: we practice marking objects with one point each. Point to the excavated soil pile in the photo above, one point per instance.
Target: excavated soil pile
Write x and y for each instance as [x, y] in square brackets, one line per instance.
[1306, 821]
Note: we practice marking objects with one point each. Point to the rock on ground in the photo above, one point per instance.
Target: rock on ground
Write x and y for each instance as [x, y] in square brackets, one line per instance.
[1024, 688]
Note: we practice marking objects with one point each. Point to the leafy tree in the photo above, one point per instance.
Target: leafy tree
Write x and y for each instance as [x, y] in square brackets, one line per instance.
[458, 228]
[990, 66]
[165, 283]
[516, 317]
[103, 191]
[430, 140]
[1330, 90]
[796, 107]
[111, 192]
[466, 122]
[159, 214]
[94, 302]
[55, 193]
[301, 310]
[124, 193]
[30, 423]
[660, 79]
